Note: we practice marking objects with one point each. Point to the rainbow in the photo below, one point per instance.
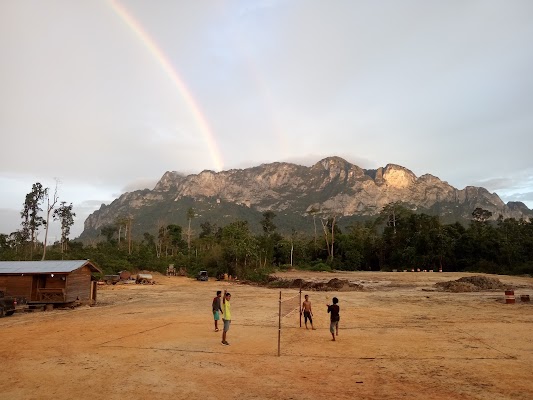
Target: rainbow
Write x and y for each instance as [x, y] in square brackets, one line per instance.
[163, 61]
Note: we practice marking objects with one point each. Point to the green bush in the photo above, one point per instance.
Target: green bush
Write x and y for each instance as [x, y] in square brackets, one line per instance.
[316, 266]
[285, 267]
[524, 269]
[487, 267]
[259, 275]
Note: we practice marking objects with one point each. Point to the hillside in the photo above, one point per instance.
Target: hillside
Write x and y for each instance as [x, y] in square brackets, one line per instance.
[293, 192]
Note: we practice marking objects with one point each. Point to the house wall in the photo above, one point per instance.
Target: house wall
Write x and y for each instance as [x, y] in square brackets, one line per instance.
[79, 284]
[17, 286]
[56, 282]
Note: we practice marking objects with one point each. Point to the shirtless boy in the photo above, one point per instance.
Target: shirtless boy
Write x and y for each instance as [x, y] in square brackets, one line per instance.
[308, 312]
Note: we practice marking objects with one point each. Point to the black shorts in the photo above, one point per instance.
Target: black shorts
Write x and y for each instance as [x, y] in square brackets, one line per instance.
[307, 316]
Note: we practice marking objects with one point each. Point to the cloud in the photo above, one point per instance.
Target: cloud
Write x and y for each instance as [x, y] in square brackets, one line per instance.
[311, 159]
[437, 87]
[526, 198]
[516, 187]
[496, 184]
[257, 6]
[515, 182]
[140, 184]
[9, 220]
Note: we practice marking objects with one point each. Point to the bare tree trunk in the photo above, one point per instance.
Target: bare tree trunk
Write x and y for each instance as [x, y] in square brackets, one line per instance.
[292, 251]
[32, 244]
[189, 237]
[326, 236]
[314, 223]
[49, 208]
[129, 235]
[332, 235]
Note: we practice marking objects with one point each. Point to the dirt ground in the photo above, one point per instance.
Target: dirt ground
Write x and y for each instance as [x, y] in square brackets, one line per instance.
[398, 339]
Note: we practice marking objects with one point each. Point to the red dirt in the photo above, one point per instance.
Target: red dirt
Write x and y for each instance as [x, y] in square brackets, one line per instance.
[399, 338]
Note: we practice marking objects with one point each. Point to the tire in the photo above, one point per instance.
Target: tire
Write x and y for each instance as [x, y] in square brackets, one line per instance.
[10, 312]
[1, 312]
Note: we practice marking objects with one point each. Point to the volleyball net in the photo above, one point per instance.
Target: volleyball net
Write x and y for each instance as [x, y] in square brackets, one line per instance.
[290, 306]
[287, 308]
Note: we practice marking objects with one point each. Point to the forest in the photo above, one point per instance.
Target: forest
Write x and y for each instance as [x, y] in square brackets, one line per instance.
[397, 238]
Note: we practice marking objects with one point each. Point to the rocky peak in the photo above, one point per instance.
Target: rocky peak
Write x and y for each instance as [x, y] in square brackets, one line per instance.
[337, 167]
[168, 180]
[398, 176]
[480, 196]
[431, 179]
[518, 206]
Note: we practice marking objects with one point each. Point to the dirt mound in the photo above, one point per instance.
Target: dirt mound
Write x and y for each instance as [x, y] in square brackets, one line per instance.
[471, 284]
[297, 283]
[336, 283]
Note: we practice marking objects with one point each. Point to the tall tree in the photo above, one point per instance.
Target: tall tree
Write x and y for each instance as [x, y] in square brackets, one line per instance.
[238, 246]
[66, 218]
[129, 231]
[30, 214]
[108, 231]
[270, 239]
[313, 211]
[175, 238]
[481, 215]
[268, 222]
[122, 223]
[50, 204]
[190, 215]
[392, 213]
[330, 229]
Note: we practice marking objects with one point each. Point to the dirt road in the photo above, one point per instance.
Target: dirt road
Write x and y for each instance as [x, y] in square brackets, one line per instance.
[398, 339]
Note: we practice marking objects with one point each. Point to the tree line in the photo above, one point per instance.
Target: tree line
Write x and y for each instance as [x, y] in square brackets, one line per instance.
[397, 238]
[23, 244]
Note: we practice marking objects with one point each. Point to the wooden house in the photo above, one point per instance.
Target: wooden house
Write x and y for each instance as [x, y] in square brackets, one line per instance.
[49, 282]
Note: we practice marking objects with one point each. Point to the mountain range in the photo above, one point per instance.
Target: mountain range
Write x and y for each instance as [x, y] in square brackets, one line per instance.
[332, 186]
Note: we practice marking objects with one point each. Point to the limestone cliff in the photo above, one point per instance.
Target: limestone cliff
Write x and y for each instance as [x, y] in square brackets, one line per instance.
[331, 186]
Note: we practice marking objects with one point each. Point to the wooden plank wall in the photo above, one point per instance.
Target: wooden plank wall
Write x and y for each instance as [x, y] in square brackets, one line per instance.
[79, 284]
[56, 282]
[18, 286]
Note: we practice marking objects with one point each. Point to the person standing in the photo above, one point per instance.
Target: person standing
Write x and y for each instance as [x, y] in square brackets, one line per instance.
[217, 309]
[308, 312]
[226, 310]
[334, 309]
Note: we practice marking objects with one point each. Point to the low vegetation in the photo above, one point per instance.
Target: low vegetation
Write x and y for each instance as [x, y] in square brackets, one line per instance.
[397, 239]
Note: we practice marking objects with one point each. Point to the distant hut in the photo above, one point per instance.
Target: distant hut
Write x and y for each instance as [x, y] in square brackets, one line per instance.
[49, 282]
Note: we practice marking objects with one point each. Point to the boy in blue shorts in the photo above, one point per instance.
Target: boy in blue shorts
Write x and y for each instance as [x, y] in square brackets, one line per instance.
[217, 309]
[226, 309]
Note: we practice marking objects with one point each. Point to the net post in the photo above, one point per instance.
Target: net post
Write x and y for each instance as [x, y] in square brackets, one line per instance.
[279, 325]
[300, 304]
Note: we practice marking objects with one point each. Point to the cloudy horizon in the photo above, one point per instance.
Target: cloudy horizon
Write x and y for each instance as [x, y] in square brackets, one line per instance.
[107, 96]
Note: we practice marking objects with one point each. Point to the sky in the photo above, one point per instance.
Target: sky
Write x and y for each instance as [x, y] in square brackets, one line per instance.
[104, 97]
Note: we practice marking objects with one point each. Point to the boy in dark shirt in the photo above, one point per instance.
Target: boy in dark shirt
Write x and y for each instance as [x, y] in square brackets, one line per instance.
[217, 309]
[335, 317]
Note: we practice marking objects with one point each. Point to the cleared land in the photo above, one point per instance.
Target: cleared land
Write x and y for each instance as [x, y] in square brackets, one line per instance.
[398, 339]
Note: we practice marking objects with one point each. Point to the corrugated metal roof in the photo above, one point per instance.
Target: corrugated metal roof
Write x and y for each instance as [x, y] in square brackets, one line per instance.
[44, 267]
